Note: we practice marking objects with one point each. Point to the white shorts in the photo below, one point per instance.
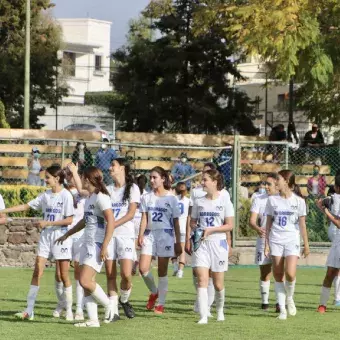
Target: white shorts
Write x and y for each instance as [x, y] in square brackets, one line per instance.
[333, 259]
[122, 248]
[90, 256]
[332, 229]
[47, 248]
[212, 255]
[159, 243]
[291, 248]
[260, 258]
[77, 244]
[137, 222]
[182, 237]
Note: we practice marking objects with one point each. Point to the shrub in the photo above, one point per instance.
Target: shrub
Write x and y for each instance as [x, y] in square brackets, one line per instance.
[20, 194]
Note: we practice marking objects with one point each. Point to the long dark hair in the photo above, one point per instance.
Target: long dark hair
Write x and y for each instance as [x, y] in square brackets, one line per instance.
[164, 174]
[181, 192]
[95, 177]
[128, 177]
[56, 170]
[141, 181]
[289, 177]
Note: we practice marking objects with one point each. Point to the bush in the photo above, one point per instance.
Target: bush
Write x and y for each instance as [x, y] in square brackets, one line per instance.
[20, 194]
[244, 216]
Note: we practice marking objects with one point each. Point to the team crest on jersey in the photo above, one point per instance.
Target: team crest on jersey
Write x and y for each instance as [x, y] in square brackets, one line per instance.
[200, 208]
[294, 207]
[60, 204]
[167, 205]
[220, 208]
[91, 206]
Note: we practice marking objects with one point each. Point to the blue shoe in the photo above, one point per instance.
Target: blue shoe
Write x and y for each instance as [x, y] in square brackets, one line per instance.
[337, 303]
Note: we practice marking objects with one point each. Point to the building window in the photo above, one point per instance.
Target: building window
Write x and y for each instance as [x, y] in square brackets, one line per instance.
[69, 59]
[98, 63]
[283, 102]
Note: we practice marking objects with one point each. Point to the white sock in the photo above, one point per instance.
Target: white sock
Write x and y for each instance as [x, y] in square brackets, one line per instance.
[336, 283]
[114, 301]
[80, 296]
[162, 289]
[290, 289]
[175, 266]
[211, 292]
[124, 295]
[59, 291]
[68, 298]
[219, 298]
[325, 292]
[31, 297]
[202, 296]
[194, 281]
[281, 295]
[150, 282]
[100, 296]
[264, 290]
[91, 308]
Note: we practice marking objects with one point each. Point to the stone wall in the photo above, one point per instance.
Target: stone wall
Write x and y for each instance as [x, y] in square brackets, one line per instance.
[18, 243]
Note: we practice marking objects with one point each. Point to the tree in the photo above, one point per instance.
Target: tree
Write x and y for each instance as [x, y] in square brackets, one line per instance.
[45, 43]
[179, 81]
[3, 122]
[295, 38]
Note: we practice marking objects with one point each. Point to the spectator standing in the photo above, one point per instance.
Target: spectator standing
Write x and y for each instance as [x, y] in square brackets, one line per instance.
[317, 184]
[182, 169]
[34, 168]
[224, 164]
[104, 158]
[82, 156]
[278, 134]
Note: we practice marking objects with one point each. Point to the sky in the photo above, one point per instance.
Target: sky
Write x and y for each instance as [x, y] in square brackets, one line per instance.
[119, 12]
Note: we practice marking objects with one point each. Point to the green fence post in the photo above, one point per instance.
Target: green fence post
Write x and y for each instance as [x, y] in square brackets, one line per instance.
[235, 186]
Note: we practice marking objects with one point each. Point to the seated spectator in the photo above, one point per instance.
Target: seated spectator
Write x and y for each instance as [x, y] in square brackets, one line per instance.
[317, 184]
[278, 134]
[182, 169]
[82, 156]
[313, 138]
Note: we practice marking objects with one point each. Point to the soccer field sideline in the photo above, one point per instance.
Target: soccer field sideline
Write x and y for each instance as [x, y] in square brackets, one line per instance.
[244, 319]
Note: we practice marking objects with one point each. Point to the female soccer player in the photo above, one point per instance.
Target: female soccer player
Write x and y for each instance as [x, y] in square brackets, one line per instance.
[98, 222]
[333, 260]
[141, 181]
[258, 223]
[160, 214]
[56, 205]
[214, 216]
[183, 204]
[125, 197]
[77, 242]
[286, 219]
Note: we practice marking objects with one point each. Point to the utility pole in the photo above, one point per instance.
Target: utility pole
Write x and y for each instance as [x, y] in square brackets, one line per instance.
[27, 66]
[291, 99]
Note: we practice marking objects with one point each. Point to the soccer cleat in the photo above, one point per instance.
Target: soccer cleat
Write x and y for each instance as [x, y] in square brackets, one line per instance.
[152, 301]
[282, 315]
[277, 308]
[159, 309]
[337, 303]
[322, 309]
[90, 323]
[265, 307]
[175, 273]
[128, 309]
[79, 316]
[24, 316]
[69, 316]
[220, 316]
[180, 274]
[109, 313]
[291, 308]
[203, 321]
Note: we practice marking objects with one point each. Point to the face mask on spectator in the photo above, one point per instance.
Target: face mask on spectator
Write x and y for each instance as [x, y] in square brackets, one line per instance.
[314, 129]
[262, 191]
[104, 146]
[36, 155]
[183, 160]
[81, 147]
[315, 172]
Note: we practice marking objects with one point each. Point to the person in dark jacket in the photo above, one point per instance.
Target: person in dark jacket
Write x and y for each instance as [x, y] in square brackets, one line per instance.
[314, 138]
[82, 156]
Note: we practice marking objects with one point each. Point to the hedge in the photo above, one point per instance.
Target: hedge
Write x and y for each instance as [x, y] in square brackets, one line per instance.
[20, 194]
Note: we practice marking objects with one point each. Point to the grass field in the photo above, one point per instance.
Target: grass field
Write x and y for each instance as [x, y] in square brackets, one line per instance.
[244, 319]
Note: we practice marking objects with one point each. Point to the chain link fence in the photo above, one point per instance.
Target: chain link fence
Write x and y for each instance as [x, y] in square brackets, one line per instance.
[314, 168]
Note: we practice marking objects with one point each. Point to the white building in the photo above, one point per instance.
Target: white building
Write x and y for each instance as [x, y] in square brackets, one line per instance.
[86, 59]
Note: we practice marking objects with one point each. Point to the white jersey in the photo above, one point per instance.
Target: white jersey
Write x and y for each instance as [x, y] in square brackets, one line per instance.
[95, 223]
[285, 213]
[2, 203]
[212, 213]
[120, 208]
[78, 212]
[198, 193]
[161, 210]
[138, 214]
[54, 206]
[335, 210]
[259, 206]
[183, 205]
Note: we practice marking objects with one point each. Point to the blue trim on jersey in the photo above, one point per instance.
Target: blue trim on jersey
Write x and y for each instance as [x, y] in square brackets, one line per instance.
[224, 244]
[169, 231]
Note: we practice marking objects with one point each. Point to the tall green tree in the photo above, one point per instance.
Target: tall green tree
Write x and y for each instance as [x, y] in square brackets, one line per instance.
[178, 82]
[45, 42]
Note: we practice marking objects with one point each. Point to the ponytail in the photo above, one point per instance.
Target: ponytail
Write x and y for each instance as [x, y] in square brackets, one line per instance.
[297, 191]
[128, 178]
[95, 177]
